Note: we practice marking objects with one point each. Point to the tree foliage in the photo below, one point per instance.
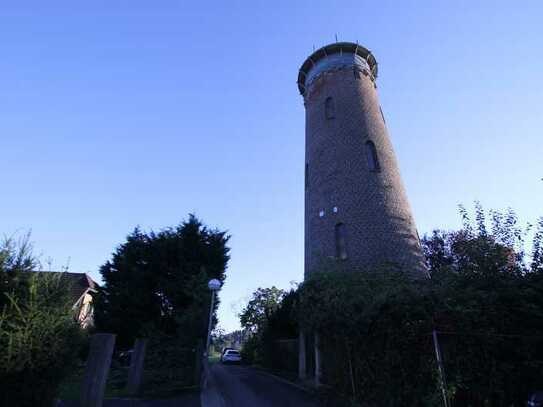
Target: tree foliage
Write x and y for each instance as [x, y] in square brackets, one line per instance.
[254, 319]
[157, 281]
[16, 261]
[39, 337]
[489, 242]
[261, 306]
[484, 299]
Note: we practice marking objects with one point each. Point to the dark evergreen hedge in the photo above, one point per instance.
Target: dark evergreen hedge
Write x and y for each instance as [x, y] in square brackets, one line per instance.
[484, 299]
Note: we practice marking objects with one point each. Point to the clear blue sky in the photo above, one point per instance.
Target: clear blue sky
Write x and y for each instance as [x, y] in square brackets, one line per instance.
[122, 113]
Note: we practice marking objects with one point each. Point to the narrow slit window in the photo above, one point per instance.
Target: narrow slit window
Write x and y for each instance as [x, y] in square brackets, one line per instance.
[371, 155]
[341, 242]
[329, 108]
[382, 115]
[306, 175]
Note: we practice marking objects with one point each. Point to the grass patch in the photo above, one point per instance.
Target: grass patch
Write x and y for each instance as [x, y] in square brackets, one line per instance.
[70, 388]
[166, 373]
[214, 358]
[153, 386]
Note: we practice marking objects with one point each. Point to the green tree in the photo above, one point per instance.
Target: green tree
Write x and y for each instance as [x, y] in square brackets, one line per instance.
[254, 319]
[158, 282]
[218, 339]
[39, 337]
[537, 248]
[489, 242]
[232, 339]
[16, 261]
[260, 308]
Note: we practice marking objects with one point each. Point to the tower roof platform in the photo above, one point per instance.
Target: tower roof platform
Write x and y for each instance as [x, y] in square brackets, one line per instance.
[332, 49]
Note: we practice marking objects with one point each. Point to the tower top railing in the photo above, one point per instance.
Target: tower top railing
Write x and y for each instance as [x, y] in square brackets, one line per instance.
[341, 48]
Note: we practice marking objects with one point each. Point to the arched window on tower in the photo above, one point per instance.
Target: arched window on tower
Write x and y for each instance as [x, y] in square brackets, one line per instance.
[341, 242]
[329, 108]
[371, 155]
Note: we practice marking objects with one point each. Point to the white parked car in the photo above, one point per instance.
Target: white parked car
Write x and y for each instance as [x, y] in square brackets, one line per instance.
[231, 356]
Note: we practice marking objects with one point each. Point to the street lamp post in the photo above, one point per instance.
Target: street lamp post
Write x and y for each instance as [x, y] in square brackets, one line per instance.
[214, 286]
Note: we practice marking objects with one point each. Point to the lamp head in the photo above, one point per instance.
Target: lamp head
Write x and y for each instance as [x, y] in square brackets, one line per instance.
[214, 285]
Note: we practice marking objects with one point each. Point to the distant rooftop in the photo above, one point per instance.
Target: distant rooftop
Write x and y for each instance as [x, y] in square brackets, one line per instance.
[80, 282]
[331, 49]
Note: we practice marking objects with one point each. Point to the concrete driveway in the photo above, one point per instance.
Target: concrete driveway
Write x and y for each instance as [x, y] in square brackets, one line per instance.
[241, 386]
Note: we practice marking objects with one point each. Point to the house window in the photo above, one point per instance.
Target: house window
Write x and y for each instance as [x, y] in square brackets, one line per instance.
[341, 244]
[371, 155]
[329, 108]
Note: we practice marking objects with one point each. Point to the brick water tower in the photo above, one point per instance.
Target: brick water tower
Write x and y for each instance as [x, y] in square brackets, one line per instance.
[356, 208]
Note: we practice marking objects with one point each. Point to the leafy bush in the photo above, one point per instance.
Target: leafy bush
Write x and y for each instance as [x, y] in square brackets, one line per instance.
[374, 335]
[251, 351]
[255, 319]
[279, 337]
[39, 341]
[16, 261]
[169, 365]
[375, 328]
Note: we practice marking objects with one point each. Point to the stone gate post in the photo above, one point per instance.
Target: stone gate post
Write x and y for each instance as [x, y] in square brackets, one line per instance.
[94, 382]
[317, 361]
[301, 356]
[136, 367]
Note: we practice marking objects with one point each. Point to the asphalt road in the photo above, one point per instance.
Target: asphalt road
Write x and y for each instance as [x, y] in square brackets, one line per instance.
[187, 400]
[241, 386]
